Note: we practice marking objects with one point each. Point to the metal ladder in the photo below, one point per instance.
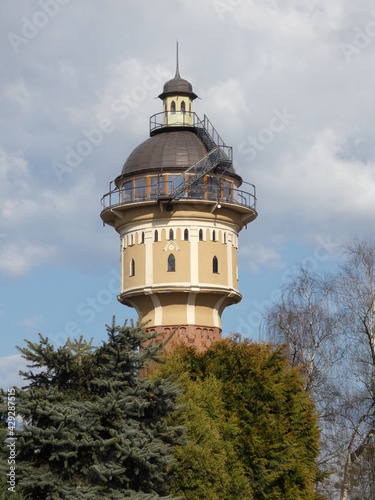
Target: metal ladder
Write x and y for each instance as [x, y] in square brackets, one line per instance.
[218, 154]
[215, 157]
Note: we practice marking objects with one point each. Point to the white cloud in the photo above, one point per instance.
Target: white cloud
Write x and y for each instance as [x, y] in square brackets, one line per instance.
[9, 371]
[32, 322]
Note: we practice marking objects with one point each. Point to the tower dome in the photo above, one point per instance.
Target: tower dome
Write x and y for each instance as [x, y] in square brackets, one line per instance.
[176, 150]
[178, 208]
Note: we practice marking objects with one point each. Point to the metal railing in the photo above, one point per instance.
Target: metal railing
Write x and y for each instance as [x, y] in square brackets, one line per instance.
[196, 191]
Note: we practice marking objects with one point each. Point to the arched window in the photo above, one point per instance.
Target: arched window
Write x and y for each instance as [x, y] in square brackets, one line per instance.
[215, 265]
[131, 239]
[132, 267]
[183, 107]
[214, 235]
[165, 109]
[171, 263]
[156, 235]
[201, 235]
[186, 235]
[171, 235]
[225, 238]
[143, 237]
[173, 107]
[189, 108]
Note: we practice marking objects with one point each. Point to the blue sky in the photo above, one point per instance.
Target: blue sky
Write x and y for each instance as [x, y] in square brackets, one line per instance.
[290, 85]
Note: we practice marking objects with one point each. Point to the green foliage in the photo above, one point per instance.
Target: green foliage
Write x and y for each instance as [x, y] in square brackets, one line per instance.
[94, 428]
[6, 494]
[250, 424]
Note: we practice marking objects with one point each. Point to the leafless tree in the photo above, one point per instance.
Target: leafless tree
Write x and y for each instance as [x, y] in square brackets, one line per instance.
[328, 326]
[307, 321]
[355, 288]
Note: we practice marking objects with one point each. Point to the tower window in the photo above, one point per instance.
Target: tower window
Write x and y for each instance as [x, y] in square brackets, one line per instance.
[225, 238]
[165, 109]
[183, 107]
[189, 108]
[186, 235]
[173, 107]
[214, 235]
[171, 235]
[156, 235]
[132, 267]
[171, 263]
[143, 237]
[215, 265]
[201, 235]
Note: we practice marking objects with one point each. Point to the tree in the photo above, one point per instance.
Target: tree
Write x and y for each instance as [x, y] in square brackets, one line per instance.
[94, 428]
[246, 401]
[307, 321]
[356, 294]
[328, 326]
[5, 494]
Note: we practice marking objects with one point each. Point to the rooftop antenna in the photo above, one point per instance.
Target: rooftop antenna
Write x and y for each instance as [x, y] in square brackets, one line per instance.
[177, 75]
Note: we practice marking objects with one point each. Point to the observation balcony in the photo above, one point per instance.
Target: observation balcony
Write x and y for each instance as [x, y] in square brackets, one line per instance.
[208, 190]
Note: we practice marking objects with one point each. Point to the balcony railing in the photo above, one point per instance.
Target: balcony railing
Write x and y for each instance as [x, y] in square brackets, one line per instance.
[199, 191]
[173, 119]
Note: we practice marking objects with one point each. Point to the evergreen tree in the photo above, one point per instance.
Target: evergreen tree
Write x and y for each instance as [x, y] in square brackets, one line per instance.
[94, 427]
[262, 423]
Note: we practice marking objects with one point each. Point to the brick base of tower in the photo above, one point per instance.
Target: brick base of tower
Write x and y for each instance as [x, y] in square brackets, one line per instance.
[199, 337]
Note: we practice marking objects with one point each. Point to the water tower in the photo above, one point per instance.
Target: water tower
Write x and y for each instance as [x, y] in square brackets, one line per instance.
[178, 208]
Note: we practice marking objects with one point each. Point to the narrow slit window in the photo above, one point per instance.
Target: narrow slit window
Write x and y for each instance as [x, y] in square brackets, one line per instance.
[201, 235]
[183, 109]
[143, 237]
[156, 235]
[173, 107]
[171, 263]
[186, 235]
[215, 265]
[171, 235]
[132, 267]
[225, 238]
[214, 235]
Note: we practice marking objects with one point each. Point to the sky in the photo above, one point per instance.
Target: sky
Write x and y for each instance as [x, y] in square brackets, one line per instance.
[289, 84]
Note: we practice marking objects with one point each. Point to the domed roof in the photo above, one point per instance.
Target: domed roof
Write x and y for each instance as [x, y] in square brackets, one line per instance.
[178, 86]
[175, 150]
[180, 149]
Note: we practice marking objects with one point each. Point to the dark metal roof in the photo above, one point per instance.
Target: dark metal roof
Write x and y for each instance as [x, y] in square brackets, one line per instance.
[172, 150]
[178, 86]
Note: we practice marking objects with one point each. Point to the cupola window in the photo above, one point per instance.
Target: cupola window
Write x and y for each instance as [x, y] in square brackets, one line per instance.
[201, 235]
[214, 235]
[132, 267]
[143, 237]
[173, 107]
[183, 107]
[171, 263]
[215, 265]
[186, 235]
[156, 235]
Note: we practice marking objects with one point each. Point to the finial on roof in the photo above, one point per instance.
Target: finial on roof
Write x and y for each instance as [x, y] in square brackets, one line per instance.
[177, 75]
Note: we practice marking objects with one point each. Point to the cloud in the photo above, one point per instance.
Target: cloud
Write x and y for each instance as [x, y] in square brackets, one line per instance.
[32, 322]
[9, 371]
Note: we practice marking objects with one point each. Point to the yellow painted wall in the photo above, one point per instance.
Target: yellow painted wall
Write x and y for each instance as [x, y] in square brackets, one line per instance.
[206, 251]
[136, 252]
